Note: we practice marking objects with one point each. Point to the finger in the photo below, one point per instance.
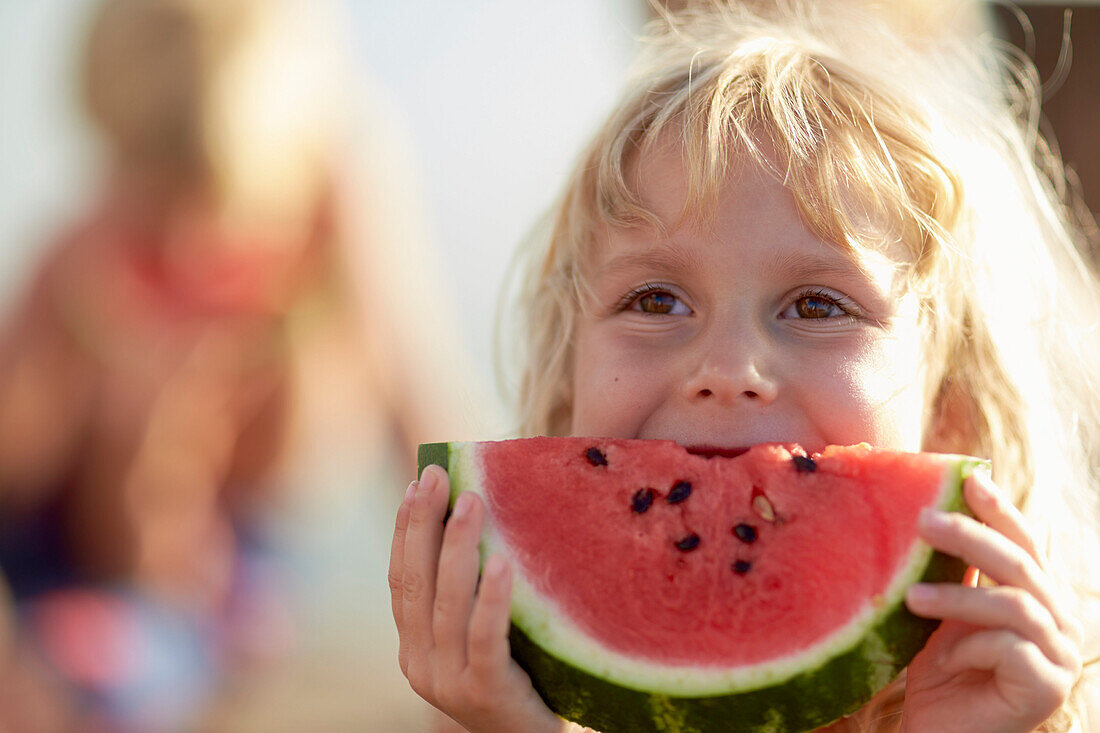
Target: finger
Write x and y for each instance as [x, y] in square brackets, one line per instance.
[992, 507]
[1023, 674]
[1003, 608]
[457, 581]
[422, 544]
[397, 553]
[488, 651]
[997, 557]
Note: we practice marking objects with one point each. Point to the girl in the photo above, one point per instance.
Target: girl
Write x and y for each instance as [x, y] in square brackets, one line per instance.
[797, 227]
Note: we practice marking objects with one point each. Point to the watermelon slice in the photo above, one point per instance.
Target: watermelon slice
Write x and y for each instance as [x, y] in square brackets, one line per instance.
[656, 589]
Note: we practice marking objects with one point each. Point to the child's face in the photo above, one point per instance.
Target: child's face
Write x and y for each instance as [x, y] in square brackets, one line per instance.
[746, 330]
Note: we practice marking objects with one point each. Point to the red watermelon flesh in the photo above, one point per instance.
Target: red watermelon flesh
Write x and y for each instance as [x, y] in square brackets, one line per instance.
[657, 590]
[760, 554]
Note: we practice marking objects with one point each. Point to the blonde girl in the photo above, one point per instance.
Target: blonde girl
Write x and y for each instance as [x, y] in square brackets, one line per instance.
[798, 226]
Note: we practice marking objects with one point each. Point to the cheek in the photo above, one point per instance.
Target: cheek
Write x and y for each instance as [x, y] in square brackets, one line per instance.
[884, 387]
[612, 385]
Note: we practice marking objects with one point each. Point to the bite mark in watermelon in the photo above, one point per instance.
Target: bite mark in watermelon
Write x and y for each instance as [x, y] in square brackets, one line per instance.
[660, 590]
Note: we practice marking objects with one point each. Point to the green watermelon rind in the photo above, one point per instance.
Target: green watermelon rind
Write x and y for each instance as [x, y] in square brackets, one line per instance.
[433, 454]
[824, 689]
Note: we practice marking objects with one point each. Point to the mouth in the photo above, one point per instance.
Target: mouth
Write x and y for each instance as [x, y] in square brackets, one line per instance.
[707, 451]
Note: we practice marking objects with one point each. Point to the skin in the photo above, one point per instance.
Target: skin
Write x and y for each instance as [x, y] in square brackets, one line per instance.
[744, 330]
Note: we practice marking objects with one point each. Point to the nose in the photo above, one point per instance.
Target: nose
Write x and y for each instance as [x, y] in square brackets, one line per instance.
[732, 368]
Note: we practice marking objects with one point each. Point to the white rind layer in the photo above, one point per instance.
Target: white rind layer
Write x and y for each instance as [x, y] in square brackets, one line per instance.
[547, 626]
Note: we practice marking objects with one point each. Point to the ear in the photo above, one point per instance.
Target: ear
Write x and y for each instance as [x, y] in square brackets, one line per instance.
[953, 427]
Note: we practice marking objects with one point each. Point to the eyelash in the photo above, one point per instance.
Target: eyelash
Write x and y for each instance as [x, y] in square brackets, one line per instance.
[635, 294]
[846, 306]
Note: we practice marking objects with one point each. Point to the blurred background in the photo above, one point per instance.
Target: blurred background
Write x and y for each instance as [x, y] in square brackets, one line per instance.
[250, 256]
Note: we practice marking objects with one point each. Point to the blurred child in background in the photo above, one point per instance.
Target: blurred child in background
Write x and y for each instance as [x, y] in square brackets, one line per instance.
[161, 374]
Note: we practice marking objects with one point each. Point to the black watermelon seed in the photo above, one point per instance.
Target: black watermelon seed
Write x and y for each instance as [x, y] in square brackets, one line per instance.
[689, 543]
[642, 499]
[804, 464]
[680, 491]
[746, 533]
[742, 566]
[596, 457]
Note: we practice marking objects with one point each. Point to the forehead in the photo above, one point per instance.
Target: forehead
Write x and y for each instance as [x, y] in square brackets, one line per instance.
[661, 177]
[749, 200]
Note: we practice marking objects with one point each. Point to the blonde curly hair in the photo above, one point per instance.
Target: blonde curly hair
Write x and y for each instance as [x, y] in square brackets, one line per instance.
[931, 142]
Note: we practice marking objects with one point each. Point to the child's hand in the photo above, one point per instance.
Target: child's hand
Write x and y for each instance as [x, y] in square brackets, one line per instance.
[454, 642]
[1006, 657]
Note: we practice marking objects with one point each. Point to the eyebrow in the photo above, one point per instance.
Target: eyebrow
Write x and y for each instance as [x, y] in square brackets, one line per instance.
[805, 266]
[672, 257]
[677, 258]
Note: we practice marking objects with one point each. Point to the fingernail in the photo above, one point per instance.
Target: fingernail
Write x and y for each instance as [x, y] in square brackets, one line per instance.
[933, 519]
[427, 480]
[462, 506]
[410, 491]
[980, 493]
[981, 486]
